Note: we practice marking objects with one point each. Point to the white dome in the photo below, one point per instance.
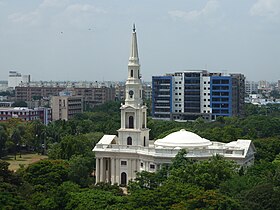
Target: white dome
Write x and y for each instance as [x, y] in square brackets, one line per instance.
[183, 139]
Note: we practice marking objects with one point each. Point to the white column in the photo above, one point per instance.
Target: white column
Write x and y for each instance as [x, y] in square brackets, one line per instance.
[109, 169]
[113, 172]
[101, 170]
[133, 163]
[118, 170]
[97, 171]
[137, 165]
[129, 175]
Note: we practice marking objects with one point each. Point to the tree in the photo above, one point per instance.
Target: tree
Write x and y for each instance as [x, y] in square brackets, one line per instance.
[19, 104]
[47, 173]
[91, 199]
[80, 169]
[10, 201]
[3, 139]
[16, 138]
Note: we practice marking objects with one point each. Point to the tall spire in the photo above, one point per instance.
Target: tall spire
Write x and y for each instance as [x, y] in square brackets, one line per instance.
[134, 59]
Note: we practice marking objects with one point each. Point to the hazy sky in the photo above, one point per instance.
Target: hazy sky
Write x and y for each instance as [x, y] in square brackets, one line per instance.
[90, 40]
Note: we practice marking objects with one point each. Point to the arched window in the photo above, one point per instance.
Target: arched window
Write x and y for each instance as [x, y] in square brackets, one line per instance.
[129, 140]
[144, 141]
[130, 122]
[131, 73]
[123, 178]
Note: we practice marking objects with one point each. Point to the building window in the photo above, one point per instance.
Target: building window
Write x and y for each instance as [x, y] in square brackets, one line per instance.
[131, 73]
[144, 141]
[142, 164]
[152, 166]
[130, 122]
[123, 163]
[129, 140]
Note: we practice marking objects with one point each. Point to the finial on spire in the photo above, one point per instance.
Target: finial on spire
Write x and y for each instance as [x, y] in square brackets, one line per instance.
[134, 29]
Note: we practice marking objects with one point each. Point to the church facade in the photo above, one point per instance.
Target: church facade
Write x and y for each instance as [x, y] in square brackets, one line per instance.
[118, 158]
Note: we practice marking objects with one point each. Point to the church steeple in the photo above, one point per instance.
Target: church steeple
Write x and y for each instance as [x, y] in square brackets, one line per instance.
[134, 59]
[133, 82]
[133, 129]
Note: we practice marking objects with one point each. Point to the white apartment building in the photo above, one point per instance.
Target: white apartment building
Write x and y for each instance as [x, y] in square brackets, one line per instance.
[16, 78]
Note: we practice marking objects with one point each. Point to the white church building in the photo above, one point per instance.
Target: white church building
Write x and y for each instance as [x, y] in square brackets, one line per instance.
[118, 158]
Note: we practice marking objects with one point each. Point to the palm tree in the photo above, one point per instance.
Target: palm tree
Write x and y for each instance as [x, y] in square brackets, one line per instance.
[16, 138]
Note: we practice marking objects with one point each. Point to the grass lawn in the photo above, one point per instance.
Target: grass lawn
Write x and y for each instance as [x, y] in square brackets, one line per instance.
[25, 160]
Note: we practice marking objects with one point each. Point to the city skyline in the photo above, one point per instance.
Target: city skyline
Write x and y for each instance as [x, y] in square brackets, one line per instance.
[87, 40]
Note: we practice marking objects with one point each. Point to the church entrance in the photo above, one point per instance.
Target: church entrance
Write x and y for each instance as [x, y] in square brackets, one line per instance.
[123, 178]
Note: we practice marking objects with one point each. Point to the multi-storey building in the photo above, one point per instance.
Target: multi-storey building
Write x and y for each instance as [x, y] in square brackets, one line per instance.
[66, 105]
[197, 93]
[16, 78]
[120, 158]
[91, 95]
[251, 87]
[26, 114]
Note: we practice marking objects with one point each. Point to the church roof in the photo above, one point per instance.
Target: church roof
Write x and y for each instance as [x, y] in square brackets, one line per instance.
[183, 139]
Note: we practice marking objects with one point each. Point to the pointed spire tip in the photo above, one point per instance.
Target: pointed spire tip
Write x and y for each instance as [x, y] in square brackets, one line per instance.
[134, 29]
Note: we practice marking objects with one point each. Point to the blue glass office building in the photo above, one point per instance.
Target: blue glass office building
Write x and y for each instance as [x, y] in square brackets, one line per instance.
[191, 94]
[221, 95]
[162, 96]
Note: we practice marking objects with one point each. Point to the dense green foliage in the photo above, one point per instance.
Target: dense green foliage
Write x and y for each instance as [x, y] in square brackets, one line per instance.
[65, 180]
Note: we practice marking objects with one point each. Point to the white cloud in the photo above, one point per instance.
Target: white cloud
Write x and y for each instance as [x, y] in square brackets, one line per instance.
[57, 13]
[78, 15]
[31, 18]
[83, 8]
[266, 8]
[53, 3]
[209, 10]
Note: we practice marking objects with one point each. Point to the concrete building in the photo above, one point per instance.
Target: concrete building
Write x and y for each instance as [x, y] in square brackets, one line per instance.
[91, 95]
[191, 94]
[26, 114]
[3, 85]
[16, 78]
[119, 158]
[251, 87]
[66, 105]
